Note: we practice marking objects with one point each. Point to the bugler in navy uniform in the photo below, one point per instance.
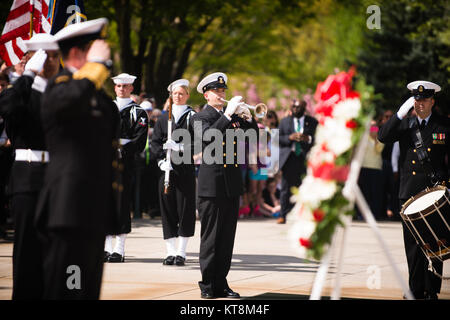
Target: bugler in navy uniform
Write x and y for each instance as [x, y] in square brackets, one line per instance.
[421, 165]
[133, 137]
[219, 188]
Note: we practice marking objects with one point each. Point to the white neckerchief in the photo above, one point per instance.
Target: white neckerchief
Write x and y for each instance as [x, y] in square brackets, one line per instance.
[178, 111]
[39, 84]
[122, 102]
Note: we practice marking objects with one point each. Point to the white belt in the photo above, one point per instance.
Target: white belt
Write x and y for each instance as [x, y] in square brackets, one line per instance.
[32, 155]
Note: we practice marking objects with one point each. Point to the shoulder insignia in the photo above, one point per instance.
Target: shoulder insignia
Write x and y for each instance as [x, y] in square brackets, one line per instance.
[63, 78]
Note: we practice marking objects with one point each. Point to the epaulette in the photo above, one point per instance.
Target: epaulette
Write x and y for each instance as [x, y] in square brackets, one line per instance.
[63, 78]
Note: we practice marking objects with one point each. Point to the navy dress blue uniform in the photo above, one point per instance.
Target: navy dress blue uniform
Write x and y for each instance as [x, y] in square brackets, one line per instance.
[178, 205]
[292, 165]
[219, 189]
[133, 127]
[76, 206]
[20, 105]
[413, 179]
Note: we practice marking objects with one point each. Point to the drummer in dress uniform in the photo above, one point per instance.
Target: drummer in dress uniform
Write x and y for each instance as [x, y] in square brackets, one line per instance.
[416, 176]
[133, 137]
[20, 105]
[219, 187]
[75, 207]
[178, 203]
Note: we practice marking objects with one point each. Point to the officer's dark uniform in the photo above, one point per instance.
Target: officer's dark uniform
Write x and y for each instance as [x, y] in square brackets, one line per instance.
[413, 179]
[76, 206]
[178, 205]
[219, 189]
[20, 105]
[133, 126]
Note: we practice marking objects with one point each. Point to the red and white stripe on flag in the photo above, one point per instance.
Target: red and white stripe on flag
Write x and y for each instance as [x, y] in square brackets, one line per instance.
[17, 28]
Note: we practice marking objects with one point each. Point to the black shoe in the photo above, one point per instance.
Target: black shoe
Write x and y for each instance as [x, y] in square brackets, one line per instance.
[179, 261]
[106, 256]
[207, 295]
[115, 257]
[431, 296]
[169, 261]
[228, 293]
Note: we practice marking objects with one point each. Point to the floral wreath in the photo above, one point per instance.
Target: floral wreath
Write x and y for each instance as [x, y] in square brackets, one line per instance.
[319, 202]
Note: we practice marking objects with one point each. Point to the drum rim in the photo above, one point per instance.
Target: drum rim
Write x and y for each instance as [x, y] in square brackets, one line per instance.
[428, 210]
[434, 255]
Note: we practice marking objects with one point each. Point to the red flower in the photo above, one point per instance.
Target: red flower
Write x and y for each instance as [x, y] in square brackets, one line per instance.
[335, 88]
[351, 124]
[318, 215]
[329, 171]
[305, 243]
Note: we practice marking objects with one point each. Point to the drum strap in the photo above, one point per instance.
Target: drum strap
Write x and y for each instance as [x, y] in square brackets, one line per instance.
[421, 151]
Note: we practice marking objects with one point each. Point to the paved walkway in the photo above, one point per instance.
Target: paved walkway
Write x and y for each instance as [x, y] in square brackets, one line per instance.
[264, 265]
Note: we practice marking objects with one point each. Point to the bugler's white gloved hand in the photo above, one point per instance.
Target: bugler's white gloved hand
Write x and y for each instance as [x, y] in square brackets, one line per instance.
[245, 113]
[165, 165]
[36, 62]
[404, 109]
[172, 145]
[233, 105]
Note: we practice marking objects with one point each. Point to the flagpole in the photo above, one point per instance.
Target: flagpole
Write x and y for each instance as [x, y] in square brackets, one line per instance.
[31, 17]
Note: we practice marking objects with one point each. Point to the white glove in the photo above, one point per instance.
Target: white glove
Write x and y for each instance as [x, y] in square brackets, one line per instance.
[233, 105]
[404, 109]
[165, 165]
[37, 61]
[244, 113]
[172, 145]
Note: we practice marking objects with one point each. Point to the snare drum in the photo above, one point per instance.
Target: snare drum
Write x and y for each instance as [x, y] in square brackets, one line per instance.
[427, 216]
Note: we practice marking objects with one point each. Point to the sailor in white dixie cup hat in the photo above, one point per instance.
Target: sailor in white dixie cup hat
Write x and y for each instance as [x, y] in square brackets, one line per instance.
[133, 137]
[21, 107]
[177, 186]
[424, 145]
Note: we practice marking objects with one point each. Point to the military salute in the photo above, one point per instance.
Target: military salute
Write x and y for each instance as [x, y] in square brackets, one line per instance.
[21, 106]
[133, 137]
[177, 200]
[421, 164]
[219, 188]
[75, 208]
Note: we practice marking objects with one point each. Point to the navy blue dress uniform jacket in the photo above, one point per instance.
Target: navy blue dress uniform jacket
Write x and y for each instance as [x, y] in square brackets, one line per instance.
[436, 139]
[159, 137]
[133, 126]
[220, 180]
[20, 107]
[81, 130]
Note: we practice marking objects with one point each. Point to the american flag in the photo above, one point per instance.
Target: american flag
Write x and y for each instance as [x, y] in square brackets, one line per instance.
[18, 24]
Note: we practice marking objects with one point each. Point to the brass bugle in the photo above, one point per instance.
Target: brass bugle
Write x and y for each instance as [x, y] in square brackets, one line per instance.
[260, 108]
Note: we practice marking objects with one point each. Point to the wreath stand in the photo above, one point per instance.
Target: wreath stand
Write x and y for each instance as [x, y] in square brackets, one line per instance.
[353, 193]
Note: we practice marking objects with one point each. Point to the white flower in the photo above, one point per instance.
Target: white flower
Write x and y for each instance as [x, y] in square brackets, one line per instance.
[336, 135]
[301, 229]
[346, 110]
[318, 156]
[314, 190]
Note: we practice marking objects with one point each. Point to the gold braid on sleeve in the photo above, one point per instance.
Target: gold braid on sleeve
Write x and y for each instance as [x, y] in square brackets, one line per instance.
[95, 72]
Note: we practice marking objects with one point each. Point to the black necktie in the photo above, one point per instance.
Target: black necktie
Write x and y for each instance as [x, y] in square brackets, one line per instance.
[422, 125]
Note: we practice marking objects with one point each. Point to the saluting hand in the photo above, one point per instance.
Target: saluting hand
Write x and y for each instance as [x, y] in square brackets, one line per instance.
[37, 61]
[99, 51]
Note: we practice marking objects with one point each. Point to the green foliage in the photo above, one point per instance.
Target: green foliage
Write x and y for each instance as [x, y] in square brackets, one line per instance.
[412, 44]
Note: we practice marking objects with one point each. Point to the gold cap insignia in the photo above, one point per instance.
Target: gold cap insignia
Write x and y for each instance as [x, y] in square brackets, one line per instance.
[220, 79]
[420, 88]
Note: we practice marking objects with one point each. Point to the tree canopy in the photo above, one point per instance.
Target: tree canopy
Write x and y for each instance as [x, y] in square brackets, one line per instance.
[277, 49]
